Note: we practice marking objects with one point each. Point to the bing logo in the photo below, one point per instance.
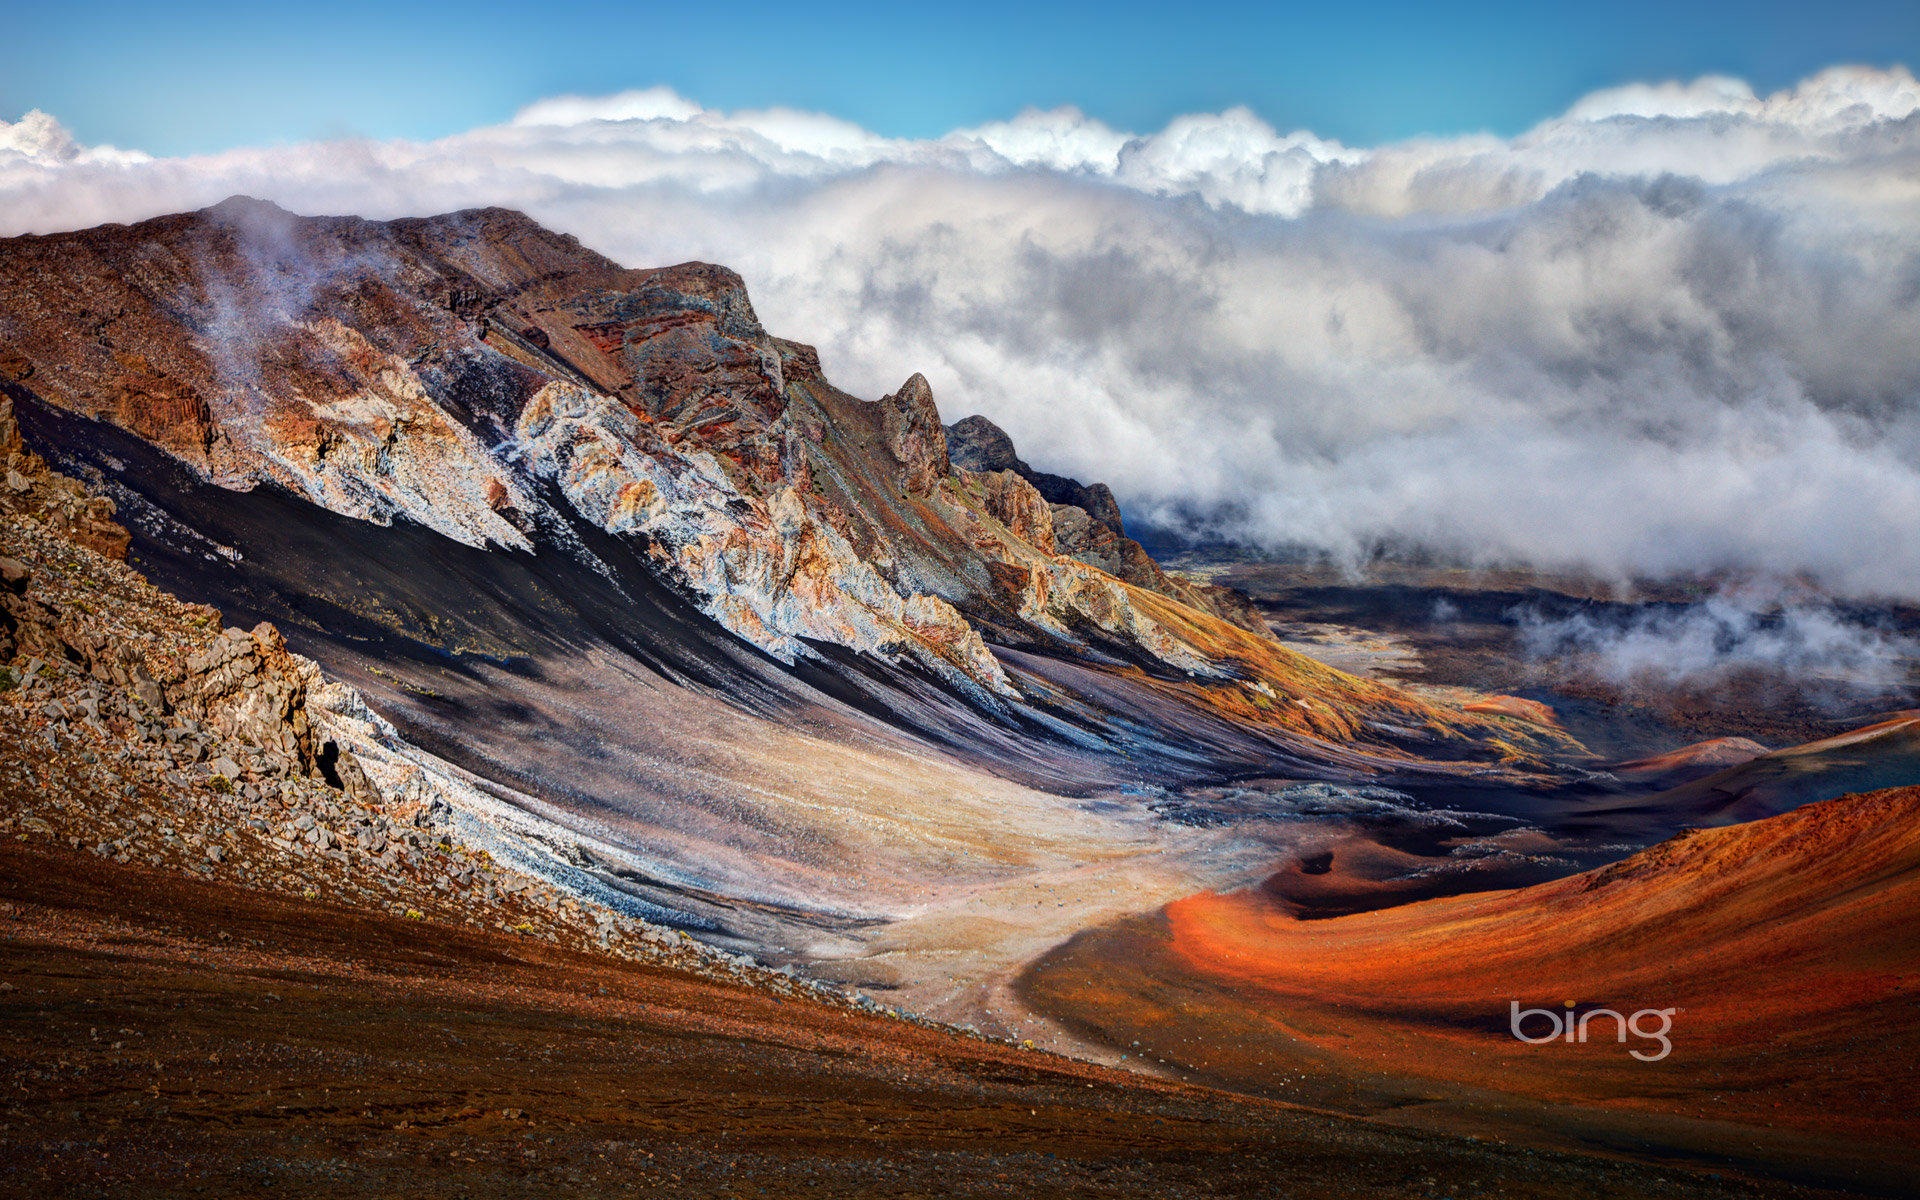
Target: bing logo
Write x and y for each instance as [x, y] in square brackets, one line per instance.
[1569, 1026]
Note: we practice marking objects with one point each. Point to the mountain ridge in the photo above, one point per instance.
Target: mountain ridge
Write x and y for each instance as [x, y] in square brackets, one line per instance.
[454, 370]
[1084, 521]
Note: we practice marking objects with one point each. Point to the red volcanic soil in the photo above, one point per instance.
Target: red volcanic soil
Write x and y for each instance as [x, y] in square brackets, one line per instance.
[1689, 762]
[1787, 946]
[1531, 711]
[162, 1036]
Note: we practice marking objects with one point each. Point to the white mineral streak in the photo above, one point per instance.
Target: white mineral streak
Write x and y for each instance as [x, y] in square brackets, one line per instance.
[1098, 597]
[766, 569]
[376, 454]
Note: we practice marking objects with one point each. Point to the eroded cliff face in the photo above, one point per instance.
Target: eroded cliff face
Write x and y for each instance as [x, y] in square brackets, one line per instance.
[1085, 523]
[761, 565]
[493, 381]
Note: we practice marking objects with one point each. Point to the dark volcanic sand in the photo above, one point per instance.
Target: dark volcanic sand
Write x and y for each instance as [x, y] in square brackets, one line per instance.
[1458, 625]
[160, 1036]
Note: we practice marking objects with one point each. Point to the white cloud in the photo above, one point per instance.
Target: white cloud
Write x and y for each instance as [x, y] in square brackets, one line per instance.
[1062, 139]
[1232, 158]
[1703, 97]
[646, 104]
[1835, 98]
[1806, 643]
[37, 139]
[1675, 329]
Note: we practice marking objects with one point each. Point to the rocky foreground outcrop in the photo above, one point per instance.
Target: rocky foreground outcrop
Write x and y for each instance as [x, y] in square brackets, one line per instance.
[72, 612]
[141, 731]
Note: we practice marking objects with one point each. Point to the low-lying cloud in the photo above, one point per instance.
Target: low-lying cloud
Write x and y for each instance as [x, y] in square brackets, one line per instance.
[1808, 644]
[1675, 330]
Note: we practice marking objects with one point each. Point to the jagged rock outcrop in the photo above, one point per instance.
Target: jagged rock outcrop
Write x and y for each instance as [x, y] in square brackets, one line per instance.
[59, 503]
[915, 435]
[1019, 506]
[182, 673]
[979, 445]
[1085, 522]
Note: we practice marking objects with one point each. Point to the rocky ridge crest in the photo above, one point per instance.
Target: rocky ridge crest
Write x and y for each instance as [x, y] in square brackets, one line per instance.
[488, 379]
[1085, 522]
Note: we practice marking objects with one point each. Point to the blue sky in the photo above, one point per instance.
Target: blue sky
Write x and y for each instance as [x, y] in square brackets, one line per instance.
[193, 77]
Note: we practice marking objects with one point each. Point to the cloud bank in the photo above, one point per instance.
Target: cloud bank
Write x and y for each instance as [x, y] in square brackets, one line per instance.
[1809, 644]
[1674, 330]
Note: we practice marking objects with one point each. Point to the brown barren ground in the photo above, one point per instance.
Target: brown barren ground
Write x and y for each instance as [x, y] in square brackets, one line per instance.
[1787, 946]
[163, 1036]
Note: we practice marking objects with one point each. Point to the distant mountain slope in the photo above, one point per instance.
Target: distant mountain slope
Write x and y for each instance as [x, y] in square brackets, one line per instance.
[522, 398]
[1085, 522]
[1884, 753]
